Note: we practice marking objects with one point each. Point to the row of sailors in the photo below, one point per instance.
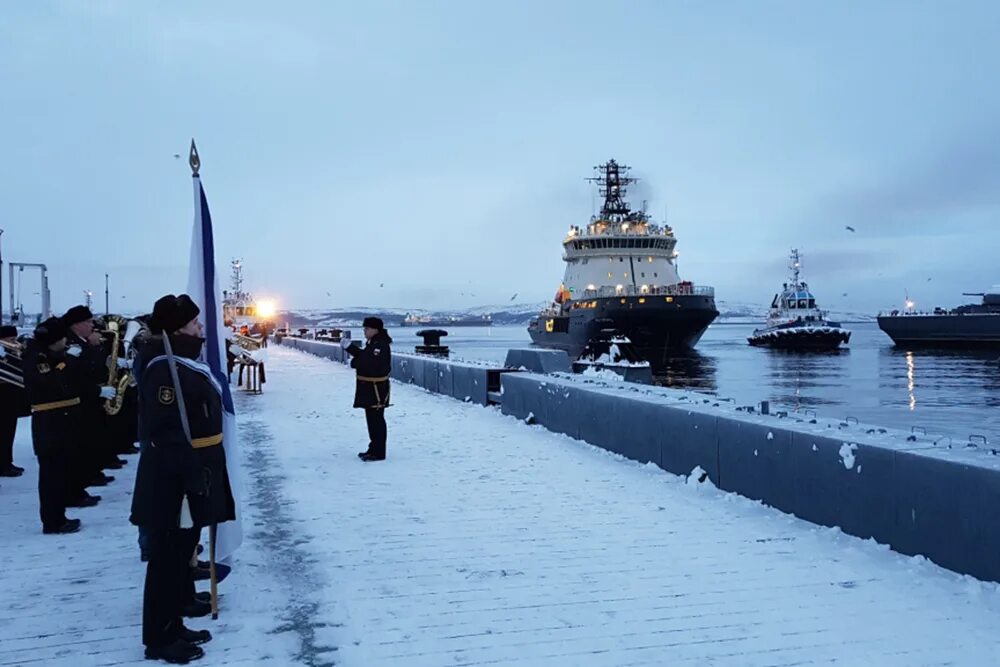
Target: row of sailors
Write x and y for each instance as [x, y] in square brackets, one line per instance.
[174, 410]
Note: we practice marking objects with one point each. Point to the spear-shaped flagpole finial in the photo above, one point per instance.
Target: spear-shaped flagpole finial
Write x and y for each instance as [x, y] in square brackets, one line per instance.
[194, 160]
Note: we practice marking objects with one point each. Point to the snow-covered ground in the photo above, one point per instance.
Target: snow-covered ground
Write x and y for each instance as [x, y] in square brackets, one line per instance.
[483, 541]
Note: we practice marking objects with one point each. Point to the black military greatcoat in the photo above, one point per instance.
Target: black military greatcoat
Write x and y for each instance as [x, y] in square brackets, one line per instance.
[170, 467]
[373, 364]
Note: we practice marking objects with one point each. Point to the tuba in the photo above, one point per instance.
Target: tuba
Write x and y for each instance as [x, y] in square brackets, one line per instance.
[11, 364]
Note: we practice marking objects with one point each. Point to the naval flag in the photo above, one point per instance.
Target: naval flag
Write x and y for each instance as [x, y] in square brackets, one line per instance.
[203, 288]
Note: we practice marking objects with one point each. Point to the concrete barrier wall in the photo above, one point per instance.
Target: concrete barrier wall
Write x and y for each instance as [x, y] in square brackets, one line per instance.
[462, 380]
[897, 488]
[894, 487]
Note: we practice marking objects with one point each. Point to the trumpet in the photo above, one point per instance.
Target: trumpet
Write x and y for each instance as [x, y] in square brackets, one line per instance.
[12, 364]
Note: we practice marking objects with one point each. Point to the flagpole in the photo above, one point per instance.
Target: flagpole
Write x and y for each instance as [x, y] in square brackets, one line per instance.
[194, 160]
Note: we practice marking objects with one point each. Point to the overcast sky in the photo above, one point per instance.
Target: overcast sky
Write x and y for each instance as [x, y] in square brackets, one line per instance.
[417, 153]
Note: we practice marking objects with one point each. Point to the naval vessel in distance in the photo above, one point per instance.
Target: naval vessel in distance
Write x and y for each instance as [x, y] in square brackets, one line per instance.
[974, 325]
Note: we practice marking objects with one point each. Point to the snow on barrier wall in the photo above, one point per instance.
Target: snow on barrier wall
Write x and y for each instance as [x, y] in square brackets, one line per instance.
[901, 489]
[898, 488]
[465, 381]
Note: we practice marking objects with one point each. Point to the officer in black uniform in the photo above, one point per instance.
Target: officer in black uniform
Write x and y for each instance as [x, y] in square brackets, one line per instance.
[56, 387]
[85, 343]
[181, 485]
[373, 364]
[13, 404]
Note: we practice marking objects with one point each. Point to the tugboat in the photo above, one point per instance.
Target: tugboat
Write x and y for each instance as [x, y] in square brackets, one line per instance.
[972, 325]
[795, 323]
[621, 274]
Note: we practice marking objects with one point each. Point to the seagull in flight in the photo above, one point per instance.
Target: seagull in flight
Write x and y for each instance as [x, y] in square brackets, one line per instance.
[849, 228]
[513, 297]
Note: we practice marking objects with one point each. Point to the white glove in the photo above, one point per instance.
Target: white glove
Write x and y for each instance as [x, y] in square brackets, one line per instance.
[74, 350]
[107, 392]
[3, 352]
[124, 363]
[345, 343]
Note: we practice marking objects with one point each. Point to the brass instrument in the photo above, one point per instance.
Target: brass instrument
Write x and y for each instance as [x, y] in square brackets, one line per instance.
[246, 342]
[119, 378]
[11, 365]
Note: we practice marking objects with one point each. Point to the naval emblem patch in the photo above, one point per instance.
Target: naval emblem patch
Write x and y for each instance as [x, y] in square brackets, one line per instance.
[166, 395]
[43, 367]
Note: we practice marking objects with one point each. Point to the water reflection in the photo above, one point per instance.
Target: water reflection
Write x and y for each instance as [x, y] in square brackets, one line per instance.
[910, 384]
[688, 370]
[940, 377]
[804, 379]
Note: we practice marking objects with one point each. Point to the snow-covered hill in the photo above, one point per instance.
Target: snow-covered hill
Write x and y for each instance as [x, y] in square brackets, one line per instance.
[506, 314]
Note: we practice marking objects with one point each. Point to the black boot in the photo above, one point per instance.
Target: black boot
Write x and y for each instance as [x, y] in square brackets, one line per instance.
[12, 471]
[195, 637]
[179, 652]
[368, 456]
[101, 480]
[69, 526]
[85, 500]
[196, 609]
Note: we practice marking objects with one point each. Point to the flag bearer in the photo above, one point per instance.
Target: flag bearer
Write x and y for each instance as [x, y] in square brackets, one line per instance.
[181, 484]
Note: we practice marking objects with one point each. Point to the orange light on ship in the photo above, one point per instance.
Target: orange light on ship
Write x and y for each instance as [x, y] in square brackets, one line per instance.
[266, 309]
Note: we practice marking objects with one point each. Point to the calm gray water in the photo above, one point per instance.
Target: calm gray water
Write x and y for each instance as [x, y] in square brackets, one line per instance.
[946, 392]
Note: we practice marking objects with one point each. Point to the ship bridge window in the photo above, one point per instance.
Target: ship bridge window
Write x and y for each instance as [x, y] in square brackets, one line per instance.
[803, 303]
[812, 303]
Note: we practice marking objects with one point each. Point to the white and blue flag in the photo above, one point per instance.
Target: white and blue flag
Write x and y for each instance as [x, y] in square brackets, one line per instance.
[203, 288]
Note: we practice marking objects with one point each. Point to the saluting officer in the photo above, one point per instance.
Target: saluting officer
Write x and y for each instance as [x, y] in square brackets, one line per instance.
[182, 465]
[373, 364]
[13, 404]
[56, 390]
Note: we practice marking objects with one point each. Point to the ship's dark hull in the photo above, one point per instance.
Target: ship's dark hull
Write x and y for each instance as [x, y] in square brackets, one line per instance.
[657, 327]
[963, 331]
[806, 339]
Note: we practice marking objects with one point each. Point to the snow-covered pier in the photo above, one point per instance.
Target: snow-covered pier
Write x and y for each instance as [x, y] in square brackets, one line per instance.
[482, 541]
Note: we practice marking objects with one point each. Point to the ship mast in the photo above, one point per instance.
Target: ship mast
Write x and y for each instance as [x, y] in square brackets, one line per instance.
[794, 265]
[612, 180]
[236, 278]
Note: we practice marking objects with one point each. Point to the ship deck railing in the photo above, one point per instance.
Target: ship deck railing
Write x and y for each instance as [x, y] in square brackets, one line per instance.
[659, 290]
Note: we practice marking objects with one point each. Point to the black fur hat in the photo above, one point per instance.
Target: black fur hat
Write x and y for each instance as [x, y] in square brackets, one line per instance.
[77, 314]
[373, 323]
[171, 313]
[50, 331]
